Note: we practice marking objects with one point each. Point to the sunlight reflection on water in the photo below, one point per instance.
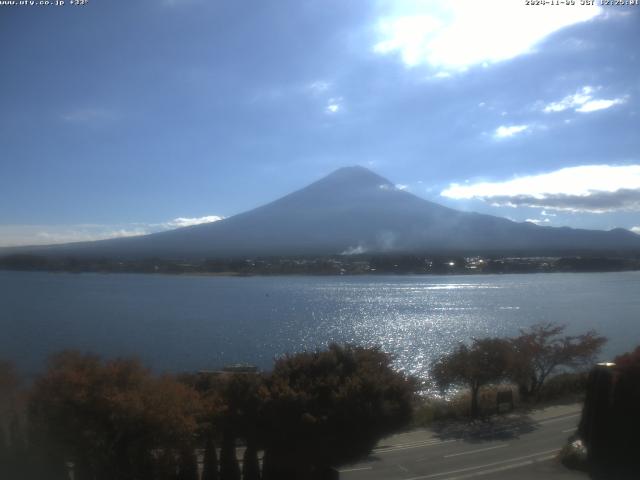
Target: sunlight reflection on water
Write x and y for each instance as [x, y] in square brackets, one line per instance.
[190, 323]
[420, 321]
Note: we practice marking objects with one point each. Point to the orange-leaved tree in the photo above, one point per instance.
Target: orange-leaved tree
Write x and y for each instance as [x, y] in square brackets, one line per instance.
[543, 348]
[485, 361]
[112, 419]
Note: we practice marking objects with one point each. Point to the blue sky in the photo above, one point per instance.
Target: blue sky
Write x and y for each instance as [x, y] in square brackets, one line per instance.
[122, 118]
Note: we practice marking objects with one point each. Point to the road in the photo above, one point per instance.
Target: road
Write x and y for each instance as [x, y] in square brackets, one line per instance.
[522, 446]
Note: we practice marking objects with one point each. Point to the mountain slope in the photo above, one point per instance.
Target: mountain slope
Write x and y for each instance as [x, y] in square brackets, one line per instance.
[351, 210]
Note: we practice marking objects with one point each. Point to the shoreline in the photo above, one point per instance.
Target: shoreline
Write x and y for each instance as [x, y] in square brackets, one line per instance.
[311, 274]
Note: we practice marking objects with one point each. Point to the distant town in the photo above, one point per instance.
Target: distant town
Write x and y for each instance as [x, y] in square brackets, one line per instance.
[374, 264]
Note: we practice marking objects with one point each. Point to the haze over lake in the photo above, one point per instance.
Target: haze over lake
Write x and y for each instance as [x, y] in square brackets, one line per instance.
[181, 323]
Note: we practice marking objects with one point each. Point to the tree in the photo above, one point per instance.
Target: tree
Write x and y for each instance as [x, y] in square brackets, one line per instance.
[13, 445]
[542, 349]
[17, 439]
[188, 466]
[109, 417]
[9, 458]
[328, 407]
[232, 405]
[229, 468]
[250, 464]
[485, 361]
[210, 462]
[242, 397]
[9, 384]
[626, 418]
[166, 465]
[629, 360]
[611, 418]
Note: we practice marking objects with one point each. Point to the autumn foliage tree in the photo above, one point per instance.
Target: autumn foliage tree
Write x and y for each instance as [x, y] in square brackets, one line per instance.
[8, 390]
[486, 361]
[543, 348]
[242, 396]
[12, 444]
[113, 419]
[232, 403]
[629, 361]
[328, 407]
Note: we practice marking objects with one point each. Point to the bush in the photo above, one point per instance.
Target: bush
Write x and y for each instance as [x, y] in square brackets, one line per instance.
[574, 456]
[568, 387]
[565, 386]
[430, 410]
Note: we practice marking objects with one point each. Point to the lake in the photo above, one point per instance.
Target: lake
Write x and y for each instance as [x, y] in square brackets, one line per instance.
[181, 323]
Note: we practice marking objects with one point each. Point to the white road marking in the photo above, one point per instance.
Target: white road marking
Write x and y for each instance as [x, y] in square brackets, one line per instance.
[468, 452]
[558, 419]
[356, 469]
[408, 446]
[415, 442]
[570, 430]
[502, 469]
[477, 467]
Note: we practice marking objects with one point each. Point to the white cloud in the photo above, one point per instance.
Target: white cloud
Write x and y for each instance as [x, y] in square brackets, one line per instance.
[334, 106]
[15, 235]
[595, 105]
[442, 74]
[400, 186]
[636, 230]
[188, 222]
[537, 221]
[458, 34]
[510, 131]
[359, 250]
[583, 102]
[318, 87]
[85, 235]
[570, 101]
[588, 188]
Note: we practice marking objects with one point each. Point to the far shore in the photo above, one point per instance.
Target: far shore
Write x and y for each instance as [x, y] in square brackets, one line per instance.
[332, 275]
[336, 265]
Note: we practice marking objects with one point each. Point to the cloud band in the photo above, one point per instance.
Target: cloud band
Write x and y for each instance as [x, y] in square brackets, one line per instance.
[589, 188]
